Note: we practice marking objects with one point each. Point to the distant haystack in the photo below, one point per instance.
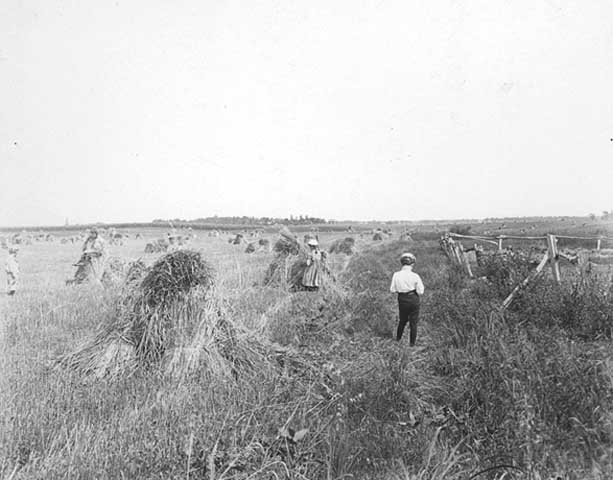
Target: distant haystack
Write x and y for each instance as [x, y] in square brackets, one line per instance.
[378, 236]
[238, 239]
[262, 245]
[158, 246]
[116, 238]
[343, 245]
[118, 271]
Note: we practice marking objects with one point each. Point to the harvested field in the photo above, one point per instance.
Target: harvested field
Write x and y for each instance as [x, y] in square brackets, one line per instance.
[166, 372]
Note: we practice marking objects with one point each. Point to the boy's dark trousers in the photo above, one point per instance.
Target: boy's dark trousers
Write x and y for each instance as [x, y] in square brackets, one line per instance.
[408, 312]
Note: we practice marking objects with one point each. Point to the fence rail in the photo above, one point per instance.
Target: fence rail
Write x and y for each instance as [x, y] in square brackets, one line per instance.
[455, 252]
[497, 239]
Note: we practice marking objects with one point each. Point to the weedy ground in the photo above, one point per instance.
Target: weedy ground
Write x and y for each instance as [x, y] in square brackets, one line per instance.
[526, 393]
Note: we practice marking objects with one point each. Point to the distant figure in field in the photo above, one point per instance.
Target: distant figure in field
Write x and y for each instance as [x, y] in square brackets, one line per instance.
[93, 259]
[311, 278]
[12, 271]
[409, 287]
[173, 243]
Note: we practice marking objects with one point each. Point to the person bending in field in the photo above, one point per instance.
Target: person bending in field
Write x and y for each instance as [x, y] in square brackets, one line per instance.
[12, 271]
[173, 243]
[311, 278]
[93, 259]
[409, 287]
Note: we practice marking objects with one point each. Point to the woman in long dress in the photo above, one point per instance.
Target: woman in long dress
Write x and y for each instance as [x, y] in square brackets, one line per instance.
[93, 259]
[311, 279]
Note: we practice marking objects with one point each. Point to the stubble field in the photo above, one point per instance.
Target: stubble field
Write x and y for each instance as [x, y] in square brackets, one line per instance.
[313, 385]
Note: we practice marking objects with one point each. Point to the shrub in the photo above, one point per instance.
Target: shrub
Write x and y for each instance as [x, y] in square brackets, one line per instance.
[583, 308]
[460, 229]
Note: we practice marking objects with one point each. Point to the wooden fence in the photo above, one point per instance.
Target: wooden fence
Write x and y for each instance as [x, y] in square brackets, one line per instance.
[456, 253]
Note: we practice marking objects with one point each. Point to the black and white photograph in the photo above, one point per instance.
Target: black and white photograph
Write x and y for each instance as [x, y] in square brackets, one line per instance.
[306, 240]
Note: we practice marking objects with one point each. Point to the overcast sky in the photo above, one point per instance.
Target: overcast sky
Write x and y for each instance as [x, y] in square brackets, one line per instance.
[135, 110]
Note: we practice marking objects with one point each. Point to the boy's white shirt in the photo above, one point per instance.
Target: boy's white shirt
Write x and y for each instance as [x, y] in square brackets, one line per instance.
[406, 280]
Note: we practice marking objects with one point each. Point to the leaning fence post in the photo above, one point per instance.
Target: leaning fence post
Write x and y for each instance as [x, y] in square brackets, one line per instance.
[553, 256]
[525, 282]
[598, 243]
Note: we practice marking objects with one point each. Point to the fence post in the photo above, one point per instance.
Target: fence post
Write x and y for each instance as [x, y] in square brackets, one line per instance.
[500, 244]
[456, 253]
[598, 243]
[465, 262]
[553, 256]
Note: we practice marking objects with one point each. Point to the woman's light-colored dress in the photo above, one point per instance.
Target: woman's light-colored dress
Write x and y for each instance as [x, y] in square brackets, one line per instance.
[312, 274]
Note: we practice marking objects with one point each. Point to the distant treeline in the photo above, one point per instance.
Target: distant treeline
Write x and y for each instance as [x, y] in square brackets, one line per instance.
[247, 221]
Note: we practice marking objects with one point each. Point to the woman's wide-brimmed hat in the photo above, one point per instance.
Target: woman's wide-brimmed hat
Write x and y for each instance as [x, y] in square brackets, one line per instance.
[312, 242]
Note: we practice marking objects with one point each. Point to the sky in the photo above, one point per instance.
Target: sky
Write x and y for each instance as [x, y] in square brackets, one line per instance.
[121, 111]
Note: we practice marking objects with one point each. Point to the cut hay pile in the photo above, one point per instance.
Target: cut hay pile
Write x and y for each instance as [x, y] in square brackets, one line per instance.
[343, 245]
[262, 245]
[158, 246]
[378, 236]
[114, 271]
[287, 268]
[117, 271]
[288, 244]
[238, 239]
[142, 325]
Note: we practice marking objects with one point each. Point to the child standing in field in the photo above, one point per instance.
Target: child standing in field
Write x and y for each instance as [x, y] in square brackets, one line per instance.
[12, 271]
[409, 287]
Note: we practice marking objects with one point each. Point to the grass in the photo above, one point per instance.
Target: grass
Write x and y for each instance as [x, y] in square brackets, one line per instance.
[523, 394]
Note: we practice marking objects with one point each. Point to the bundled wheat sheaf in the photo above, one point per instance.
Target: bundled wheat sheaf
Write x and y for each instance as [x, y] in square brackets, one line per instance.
[143, 324]
[289, 263]
[343, 245]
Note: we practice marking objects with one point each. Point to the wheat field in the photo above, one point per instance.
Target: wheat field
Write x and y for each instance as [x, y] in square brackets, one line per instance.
[318, 388]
